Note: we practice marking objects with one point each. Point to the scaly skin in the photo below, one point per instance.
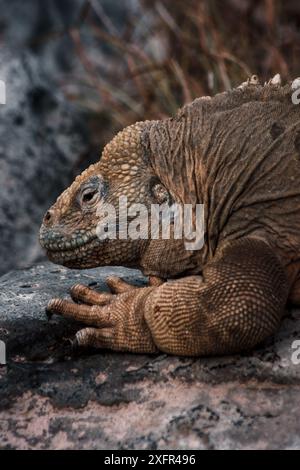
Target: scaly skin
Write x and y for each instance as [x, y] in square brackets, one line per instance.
[237, 153]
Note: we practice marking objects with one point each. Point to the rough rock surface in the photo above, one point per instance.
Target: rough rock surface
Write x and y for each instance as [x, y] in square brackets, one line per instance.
[42, 28]
[42, 138]
[43, 134]
[51, 397]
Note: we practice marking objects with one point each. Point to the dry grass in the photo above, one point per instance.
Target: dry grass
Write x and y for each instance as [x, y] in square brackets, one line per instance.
[183, 49]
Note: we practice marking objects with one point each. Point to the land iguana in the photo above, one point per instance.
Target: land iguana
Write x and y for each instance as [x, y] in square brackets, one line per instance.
[238, 154]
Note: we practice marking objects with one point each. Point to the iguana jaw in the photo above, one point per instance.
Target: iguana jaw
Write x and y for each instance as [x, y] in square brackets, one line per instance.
[94, 254]
[60, 244]
[74, 257]
[69, 250]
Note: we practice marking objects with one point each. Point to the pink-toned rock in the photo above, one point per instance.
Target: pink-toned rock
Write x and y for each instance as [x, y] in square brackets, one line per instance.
[56, 399]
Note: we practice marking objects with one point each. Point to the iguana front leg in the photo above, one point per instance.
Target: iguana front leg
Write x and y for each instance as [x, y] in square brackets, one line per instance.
[238, 303]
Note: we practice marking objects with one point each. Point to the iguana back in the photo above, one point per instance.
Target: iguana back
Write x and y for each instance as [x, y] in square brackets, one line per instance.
[239, 154]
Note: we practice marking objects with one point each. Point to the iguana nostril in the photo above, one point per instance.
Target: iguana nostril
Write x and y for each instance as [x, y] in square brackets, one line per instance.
[48, 217]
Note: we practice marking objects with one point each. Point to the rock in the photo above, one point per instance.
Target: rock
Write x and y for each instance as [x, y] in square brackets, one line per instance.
[53, 398]
[42, 139]
[45, 139]
[42, 31]
[45, 31]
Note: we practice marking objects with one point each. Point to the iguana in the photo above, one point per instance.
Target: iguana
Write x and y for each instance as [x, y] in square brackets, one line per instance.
[238, 154]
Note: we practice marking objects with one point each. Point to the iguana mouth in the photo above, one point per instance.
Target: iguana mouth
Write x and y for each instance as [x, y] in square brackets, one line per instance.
[76, 257]
[57, 244]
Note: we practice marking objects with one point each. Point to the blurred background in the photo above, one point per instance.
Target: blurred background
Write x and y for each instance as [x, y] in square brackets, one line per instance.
[77, 71]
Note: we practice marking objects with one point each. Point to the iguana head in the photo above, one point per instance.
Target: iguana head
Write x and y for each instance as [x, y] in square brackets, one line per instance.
[69, 231]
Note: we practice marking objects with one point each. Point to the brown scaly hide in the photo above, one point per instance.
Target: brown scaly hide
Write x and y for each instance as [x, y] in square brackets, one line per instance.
[239, 154]
[122, 157]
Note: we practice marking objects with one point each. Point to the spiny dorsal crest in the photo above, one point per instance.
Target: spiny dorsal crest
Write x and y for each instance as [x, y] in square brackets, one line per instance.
[246, 92]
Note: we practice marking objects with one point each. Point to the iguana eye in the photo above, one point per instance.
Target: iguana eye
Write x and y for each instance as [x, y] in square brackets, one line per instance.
[93, 189]
[89, 195]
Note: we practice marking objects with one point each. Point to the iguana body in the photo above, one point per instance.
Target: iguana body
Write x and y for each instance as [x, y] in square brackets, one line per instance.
[237, 153]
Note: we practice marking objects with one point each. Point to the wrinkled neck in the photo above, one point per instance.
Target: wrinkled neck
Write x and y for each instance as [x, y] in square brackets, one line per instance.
[174, 157]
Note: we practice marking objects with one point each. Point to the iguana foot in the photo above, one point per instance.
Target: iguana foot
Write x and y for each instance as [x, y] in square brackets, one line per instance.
[118, 285]
[108, 312]
[155, 281]
[117, 319]
[89, 314]
[83, 294]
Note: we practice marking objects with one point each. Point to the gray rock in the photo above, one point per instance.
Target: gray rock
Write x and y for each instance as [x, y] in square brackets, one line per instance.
[43, 28]
[45, 140]
[42, 137]
[52, 398]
